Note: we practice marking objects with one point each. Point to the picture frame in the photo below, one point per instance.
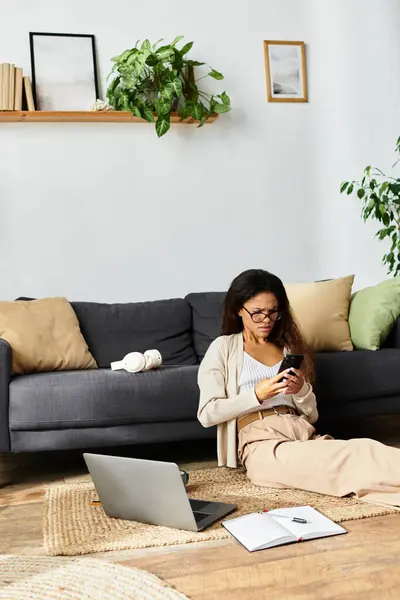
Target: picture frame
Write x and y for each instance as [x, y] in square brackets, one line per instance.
[64, 71]
[285, 69]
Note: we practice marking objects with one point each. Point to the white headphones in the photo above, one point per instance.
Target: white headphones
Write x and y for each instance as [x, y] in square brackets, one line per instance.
[134, 362]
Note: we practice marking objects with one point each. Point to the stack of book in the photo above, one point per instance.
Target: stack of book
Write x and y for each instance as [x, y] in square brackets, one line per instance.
[13, 87]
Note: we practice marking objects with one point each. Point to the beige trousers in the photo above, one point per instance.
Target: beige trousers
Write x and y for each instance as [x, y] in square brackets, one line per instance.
[284, 451]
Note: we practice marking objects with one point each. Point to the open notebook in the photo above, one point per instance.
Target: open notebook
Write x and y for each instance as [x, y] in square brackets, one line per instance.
[258, 531]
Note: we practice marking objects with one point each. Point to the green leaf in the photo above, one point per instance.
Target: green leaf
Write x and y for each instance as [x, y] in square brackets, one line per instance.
[152, 60]
[146, 45]
[162, 126]
[384, 186]
[136, 112]
[157, 42]
[176, 87]
[132, 57]
[163, 108]
[350, 189]
[344, 186]
[367, 171]
[221, 108]
[177, 63]
[198, 112]
[215, 74]
[194, 63]
[225, 98]
[186, 48]
[394, 188]
[148, 115]
[177, 39]
[386, 219]
[361, 193]
[184, 112]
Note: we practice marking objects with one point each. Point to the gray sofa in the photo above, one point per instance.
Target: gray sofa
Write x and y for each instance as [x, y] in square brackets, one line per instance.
[98, 408]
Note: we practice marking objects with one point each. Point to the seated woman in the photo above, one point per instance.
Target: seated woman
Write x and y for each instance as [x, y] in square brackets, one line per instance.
[268, 422]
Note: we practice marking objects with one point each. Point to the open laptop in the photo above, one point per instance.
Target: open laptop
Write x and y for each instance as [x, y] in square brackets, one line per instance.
[150, 492]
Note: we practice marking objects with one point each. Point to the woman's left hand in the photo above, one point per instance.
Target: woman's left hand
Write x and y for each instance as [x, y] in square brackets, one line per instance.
[294, 382]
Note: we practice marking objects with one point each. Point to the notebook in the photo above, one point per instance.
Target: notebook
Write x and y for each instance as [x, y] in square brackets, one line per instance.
[258, 531]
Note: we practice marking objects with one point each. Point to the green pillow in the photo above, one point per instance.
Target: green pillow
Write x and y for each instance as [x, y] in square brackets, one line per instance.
[373, 313]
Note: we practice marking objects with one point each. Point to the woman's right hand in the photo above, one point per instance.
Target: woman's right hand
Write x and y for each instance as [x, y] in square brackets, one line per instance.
[269, 388]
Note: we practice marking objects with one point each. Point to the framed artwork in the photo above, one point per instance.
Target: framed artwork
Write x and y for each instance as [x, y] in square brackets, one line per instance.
[64, 71]
[285, 68]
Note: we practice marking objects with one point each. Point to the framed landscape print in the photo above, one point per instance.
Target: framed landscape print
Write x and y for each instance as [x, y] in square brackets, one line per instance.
[64, 71]
[285, 67]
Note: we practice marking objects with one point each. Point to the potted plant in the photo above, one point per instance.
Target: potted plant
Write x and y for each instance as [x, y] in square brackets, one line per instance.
[152, 81]
[380, 197]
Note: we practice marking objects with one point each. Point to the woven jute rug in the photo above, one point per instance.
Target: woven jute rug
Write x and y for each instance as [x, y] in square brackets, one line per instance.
[44, 578]
[72, 526]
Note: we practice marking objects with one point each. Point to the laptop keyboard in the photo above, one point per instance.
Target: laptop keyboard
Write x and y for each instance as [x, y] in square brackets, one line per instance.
[198, 505]
[199, 516]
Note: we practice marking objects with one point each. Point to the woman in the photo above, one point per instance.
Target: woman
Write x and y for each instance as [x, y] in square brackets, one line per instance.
[269, 422]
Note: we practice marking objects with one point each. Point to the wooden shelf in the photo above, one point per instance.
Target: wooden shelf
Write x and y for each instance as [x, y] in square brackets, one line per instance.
[111, 116]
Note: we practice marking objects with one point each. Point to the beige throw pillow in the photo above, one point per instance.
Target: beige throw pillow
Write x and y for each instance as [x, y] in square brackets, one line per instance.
[44, 336]
[322, 310]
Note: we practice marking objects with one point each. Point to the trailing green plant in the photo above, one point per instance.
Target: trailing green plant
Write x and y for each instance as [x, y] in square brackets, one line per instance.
[150, 80]
[380, 197]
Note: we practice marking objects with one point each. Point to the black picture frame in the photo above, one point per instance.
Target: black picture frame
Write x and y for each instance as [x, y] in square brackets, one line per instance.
[91, 37]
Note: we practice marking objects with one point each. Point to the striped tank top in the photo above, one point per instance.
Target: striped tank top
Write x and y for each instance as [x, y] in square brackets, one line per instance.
[252, 373]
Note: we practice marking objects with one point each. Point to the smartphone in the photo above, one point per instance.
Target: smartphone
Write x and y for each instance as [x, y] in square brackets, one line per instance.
[291, 361]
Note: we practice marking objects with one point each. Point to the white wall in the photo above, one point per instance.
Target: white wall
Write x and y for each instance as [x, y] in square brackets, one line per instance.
[110, 213]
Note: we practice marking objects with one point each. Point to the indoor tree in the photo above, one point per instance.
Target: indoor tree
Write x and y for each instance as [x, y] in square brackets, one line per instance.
[380, 197]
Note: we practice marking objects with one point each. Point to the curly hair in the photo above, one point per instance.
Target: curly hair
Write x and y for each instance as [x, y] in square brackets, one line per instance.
[285, 333]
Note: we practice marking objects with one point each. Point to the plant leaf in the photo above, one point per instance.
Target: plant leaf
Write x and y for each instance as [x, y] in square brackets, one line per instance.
[135, 111]
[184, 112]
[215, 74]
[176, 87]
[225, 98]
[152, 60]
[157, 42]
[350, 189]
[221, 108]
[177, 39]
[146, 45]
[148, 115]
[198, 112]
[162, 126]
[194, 63]
[361, 193]
[186, 48]
[343, 186]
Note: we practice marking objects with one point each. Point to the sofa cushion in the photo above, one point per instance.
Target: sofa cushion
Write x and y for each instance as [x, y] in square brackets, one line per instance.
[102, 398]
[343, 377]
[321, 309]
[113, 330]
[207, 319]
[44, 336]
[373, 313]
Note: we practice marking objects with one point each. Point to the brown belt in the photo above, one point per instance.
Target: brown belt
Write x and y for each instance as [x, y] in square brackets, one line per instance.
[261, 414]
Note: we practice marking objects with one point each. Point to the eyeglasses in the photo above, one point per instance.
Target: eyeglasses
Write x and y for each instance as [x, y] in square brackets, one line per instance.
[260, 317]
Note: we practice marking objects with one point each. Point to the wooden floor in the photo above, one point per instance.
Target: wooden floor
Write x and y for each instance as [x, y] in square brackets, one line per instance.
[365, 563]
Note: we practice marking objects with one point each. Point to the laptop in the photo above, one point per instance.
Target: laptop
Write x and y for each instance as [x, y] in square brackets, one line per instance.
[150, 491]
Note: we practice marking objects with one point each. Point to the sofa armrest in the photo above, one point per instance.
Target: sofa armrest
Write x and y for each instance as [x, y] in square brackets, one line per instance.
[5, 376]
[393, 340]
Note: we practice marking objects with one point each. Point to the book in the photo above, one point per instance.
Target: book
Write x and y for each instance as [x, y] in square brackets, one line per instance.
[28, 93]
[259, 531]
[11, 88]
[18, 89]
[6, 86]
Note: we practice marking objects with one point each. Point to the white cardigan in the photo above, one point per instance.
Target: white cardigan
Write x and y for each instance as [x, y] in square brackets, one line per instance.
[220, 403]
